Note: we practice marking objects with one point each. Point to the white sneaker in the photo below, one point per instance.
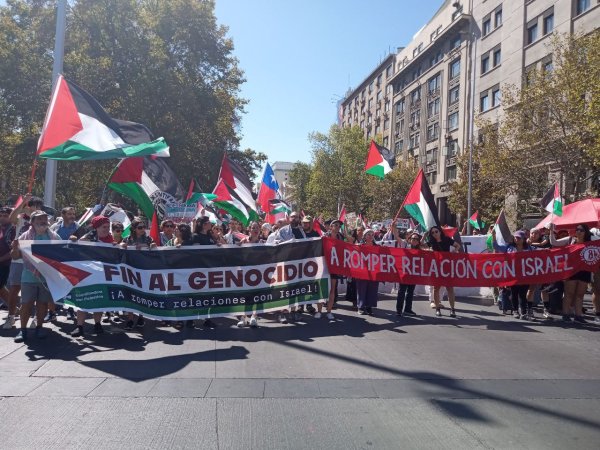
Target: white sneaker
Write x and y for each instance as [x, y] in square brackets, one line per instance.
[432, 305]
[10, 322]
[241, 323]
[253, 322]
[317, 315]
[33, 323]
[330, 316]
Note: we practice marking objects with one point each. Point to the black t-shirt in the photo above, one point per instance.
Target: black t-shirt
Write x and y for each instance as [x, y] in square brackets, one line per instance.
[297, 233]
[442, 246]
[203, 239]
[311, 234]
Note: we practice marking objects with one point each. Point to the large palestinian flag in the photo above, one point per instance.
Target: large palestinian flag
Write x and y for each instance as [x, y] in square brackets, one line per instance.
[380, 160]
[149, 182]
[503, 234]
[552, 201]
[227, 201]
[420, 204]
[77, 127]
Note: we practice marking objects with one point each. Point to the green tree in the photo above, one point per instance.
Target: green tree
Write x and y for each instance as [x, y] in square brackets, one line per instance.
[168, 65]
[297, 190]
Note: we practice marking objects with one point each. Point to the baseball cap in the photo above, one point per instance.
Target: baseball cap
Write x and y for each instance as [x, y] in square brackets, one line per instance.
[519, 234]
[307, 219]
[38, 213]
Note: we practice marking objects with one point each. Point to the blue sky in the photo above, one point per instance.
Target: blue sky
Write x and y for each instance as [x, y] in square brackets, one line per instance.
[300, 57]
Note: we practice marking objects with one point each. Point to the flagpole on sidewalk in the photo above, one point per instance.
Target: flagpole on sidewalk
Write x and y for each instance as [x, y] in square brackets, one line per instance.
[57, 68]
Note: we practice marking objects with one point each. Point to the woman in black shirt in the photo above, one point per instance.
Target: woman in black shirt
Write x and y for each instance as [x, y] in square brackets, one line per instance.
[439, 242]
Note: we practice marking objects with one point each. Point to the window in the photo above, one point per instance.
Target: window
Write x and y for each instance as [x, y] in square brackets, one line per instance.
[435, 59]
[386, 124]
[386, 107]
[431, 156]
[433, 108]
[453, 121]
[496, 97]
[433, 131]
[455, 43]
[484, 102]
[388, 89]
[400, 126]
[371, 87]
[415, 140]
[415, 118]
[582, 6]
[415, 96]
[400, 106]
[452, 148]
[388, 71]
[433, 84]
[453, 95]
[454, 68]
[386, 142]
[398, 146]
[379, 95]
[532, 33]
[497, 57]
[379, 80]
[451, 173]
[547, 66]
[431, 177]
[486, 27]
[370, 103]
[377, 129]
[378, 112]
[485, 64]
[498, 18]
[548, 24]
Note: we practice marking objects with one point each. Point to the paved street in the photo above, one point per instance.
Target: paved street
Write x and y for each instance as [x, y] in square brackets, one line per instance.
[482, 380]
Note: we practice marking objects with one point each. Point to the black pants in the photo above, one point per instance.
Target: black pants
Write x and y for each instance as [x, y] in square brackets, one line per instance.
[405, 297]
[351, 291]
[519, 296]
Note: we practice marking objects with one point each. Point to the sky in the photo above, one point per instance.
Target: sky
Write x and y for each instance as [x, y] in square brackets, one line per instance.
[299, 58]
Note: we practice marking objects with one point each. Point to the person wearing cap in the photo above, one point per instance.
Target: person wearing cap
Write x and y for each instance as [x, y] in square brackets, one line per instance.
[33, 286]
[100, 233]
[307, 226]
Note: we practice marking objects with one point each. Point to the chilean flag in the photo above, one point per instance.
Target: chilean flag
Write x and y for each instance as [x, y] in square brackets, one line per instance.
[268, 189]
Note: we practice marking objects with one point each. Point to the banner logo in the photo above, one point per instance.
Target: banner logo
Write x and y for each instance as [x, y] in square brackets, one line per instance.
[590, 255]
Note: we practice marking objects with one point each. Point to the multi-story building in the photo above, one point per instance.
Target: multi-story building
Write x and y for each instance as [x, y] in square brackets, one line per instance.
[422, 100]
[282, 170]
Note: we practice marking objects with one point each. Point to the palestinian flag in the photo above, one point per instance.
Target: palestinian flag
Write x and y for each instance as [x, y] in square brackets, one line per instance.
[503, 234]
[552, 201]
[342, 217]
[279, 206]
[228, 202]
[318, 226]
[234, 176]
[476, 221]
[194, 196]
[420, 204]
[77, 128]
[117, 214]
[149, 182]
[380, 160]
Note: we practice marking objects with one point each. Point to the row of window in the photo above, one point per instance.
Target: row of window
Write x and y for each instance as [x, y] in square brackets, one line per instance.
[489, 98]
[547, 23]
[492, 19]
[490, 60]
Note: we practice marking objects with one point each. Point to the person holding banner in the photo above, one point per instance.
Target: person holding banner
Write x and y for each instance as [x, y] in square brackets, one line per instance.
[33, 285]
[367, 290]
[406, 291]
[254, 237]
[439, 242]
[182, 235]
[575, 286]
[167, 232]
[334, 232]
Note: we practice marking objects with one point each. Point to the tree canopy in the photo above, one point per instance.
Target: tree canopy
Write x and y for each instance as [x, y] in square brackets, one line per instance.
[168, 65]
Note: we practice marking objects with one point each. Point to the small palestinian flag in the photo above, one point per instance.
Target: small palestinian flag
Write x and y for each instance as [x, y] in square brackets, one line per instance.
[77, 128]
[503, 234]
[476, 221]
[228, 202]
[194, 196]
[552, 201]
[234, 176]
[279, 206]
[342, 217]
[380, 160]
[420, 204]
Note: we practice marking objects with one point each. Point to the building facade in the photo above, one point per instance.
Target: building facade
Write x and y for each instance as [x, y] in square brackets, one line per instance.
[282, 170]
[423, 100]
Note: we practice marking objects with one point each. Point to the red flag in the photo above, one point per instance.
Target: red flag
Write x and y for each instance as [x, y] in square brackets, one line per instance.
[318, 227]
[18, 202]
[154, 230]
[190, 190]
[343, 214]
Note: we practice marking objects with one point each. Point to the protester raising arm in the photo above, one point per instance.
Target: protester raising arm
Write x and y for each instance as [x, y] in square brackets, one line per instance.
[558, 242]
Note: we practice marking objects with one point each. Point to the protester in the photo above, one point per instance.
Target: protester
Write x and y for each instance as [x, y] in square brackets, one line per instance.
[33, 286]
[575, 286]
[66, 226]
[100, 233]
[202, 232]
[367, 290]
[7, 235]
[439, 242]
[117, 228]
[265, 230]
[519, 291]
[254, 237]
[406, 291]
[335, 233]
[216, 233]
[235, 228]
[167, 229]
[307, 227]
[182, 236]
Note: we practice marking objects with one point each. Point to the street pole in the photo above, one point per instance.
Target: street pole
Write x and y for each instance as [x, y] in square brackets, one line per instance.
[57, 68]
[472, 58]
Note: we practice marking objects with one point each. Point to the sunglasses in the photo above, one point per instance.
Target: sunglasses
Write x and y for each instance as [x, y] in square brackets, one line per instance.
[43, 224]
[580, 229]
[415, 239]
[141, 227]
[117, 230]
[169, 225]
[435, 232]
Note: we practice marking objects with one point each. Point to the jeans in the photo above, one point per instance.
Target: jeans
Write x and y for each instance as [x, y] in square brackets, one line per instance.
[405, 297]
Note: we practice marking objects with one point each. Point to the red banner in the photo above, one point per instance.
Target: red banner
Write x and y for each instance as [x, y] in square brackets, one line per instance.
[459, 269]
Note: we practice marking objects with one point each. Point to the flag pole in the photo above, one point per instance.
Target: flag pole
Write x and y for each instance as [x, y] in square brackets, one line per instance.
[57, 68]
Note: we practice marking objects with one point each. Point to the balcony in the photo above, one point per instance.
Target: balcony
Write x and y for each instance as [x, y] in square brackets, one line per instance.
[431, 167]
[451, 161]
